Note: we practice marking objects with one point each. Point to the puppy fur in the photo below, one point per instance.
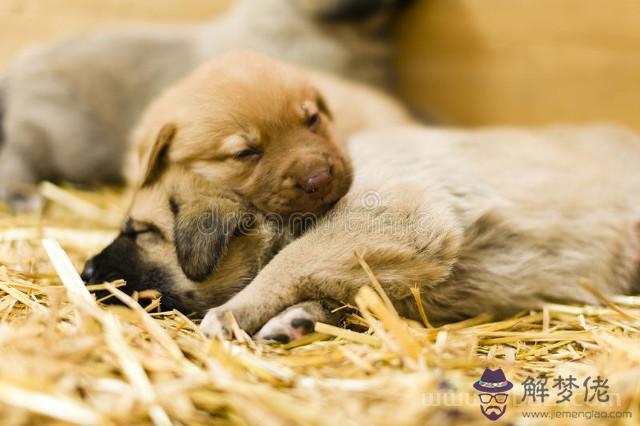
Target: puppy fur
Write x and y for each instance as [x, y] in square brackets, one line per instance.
[69, 106]
[493, 221]
[179, 228]
[264, 130]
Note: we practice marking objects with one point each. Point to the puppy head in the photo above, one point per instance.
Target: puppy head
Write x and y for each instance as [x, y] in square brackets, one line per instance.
[257, 127]
[197, 245]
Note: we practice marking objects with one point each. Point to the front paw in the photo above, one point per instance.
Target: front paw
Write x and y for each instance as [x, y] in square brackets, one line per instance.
[286, 327]
[297, 321]
[224, 321]
[22, 202]
[214, 324]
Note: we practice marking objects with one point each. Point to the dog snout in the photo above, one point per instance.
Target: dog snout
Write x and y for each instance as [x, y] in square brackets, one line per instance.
[317, 182]
[89, 271]
[117, 261]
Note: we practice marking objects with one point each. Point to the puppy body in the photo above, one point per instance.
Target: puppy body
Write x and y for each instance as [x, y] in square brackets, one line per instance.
[320, 34]
[69, 106]
[489, 221]
[481, 221]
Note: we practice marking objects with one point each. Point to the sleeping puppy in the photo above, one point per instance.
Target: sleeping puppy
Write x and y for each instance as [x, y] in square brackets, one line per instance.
[66, 108]
[265, 130]
[179, 228]
[476, 224]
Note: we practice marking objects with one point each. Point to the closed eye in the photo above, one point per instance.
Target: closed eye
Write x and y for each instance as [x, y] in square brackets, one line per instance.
[248, 155]
[132, 233]
[132, 230]
[313, 121]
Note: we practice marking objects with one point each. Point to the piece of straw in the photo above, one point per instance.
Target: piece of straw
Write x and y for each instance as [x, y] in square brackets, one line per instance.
[375, 283]
[57, 407]
[112, 329]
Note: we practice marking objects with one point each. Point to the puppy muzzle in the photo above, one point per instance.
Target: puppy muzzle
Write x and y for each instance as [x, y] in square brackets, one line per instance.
[121, 260]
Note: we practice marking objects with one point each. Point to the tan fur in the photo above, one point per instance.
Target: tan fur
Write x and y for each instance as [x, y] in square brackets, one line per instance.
[489, 221]
[67, 107]
[244, 100]
[197, 199]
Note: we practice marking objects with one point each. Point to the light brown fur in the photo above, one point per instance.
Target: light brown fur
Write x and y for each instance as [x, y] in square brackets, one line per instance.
[489, 221]
[174, 236]
[262, 129]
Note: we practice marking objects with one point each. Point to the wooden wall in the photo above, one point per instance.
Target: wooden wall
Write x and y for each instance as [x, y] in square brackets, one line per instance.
[468, 62]
[477, 62]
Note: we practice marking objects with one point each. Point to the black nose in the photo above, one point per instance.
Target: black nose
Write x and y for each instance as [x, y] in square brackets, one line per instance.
[89, 271]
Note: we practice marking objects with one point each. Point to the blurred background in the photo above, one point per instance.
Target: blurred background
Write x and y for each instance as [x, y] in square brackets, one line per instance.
[463, 62]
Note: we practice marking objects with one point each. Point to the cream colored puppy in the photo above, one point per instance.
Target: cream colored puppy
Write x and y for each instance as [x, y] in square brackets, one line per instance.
[491, 221]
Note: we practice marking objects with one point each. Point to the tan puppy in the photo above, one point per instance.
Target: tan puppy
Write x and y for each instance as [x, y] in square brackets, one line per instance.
[178, 229]
[489, 221]
[264, 130]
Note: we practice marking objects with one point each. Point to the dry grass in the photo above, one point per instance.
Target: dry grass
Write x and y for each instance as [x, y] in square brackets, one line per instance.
[65, 359]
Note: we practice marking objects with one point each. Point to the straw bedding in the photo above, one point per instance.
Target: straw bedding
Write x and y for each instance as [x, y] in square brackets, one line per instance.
[65, 359]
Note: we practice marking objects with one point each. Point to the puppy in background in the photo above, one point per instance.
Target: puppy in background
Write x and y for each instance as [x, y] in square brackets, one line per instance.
[476, 225]
[66, 108]
[269, 131]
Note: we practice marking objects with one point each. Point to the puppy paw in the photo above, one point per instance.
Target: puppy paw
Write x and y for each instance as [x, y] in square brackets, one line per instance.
[213, 324]
[21, 202]
[297, 321]
[287, 327]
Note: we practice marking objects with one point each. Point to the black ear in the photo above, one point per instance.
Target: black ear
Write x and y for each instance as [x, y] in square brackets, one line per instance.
[202, 238]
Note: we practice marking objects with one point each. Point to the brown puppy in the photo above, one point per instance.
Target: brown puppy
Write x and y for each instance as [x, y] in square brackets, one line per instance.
[179, 229]
[265, 131]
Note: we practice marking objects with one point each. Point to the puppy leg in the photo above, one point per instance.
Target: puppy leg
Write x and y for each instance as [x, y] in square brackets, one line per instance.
[322, 265]
[18, 182]
[298, 320]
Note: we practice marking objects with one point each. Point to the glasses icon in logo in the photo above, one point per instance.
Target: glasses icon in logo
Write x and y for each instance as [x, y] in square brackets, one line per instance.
[492, 388]
[500, 398]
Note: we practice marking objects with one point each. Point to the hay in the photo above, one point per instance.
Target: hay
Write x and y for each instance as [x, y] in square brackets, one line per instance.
[66, 360]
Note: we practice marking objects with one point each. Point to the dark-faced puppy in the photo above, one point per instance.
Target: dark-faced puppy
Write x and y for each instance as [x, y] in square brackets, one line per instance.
[179, 229]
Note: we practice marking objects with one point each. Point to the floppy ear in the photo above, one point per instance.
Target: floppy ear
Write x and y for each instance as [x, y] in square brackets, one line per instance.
[202, 237]
[157, 159]
[322, 104]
